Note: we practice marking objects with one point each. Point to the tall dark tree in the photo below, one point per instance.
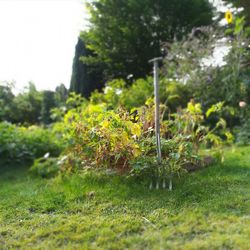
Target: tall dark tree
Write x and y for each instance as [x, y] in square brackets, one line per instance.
[125, 34]
[85, 78]
[61, 95]
[48, 102]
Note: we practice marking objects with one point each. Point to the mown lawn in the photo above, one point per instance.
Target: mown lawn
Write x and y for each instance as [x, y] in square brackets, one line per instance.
[209, 209]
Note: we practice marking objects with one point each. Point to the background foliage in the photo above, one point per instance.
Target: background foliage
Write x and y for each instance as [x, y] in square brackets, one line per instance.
[21, 143]
[124, 35]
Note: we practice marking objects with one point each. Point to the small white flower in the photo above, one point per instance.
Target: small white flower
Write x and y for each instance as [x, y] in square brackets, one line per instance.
[46, 156]
[130, 76]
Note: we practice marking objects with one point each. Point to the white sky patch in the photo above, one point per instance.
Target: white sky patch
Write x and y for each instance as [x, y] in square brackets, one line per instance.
[37, 40]
[217, 59]
[221, 5]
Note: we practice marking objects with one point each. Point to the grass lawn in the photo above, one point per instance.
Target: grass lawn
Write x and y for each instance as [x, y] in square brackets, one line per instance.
[209, 209]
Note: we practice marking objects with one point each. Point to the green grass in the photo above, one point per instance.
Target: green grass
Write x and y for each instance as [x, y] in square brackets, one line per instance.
[209, 209]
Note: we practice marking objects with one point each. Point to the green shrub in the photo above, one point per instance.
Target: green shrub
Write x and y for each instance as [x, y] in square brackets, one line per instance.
[182, 137]
[103, 137]
[117, 93]
[174, 94]
[177, 153]
[99, 136]
[21, 143]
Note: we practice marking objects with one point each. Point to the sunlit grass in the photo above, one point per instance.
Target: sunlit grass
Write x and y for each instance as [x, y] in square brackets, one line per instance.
[209, 209]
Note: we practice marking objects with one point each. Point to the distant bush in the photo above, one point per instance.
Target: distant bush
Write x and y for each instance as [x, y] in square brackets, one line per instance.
[116, 93]
[21, 143]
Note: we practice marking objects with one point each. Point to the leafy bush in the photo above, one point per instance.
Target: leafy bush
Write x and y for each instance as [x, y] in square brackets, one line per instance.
[125, 141]
[116, 93]
[103, 137]
[98, 137]
[182, 137]
[177, 153]
[174, 94]
[21, 143]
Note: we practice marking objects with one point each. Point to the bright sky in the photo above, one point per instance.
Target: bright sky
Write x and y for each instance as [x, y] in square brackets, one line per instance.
[37, 40]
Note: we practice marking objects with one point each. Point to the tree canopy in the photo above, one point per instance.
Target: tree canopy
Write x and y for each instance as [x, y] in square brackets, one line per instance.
[30, 106]
[125, 34]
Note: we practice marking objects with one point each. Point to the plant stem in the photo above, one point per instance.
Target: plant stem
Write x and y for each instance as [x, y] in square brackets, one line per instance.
[164, 183]
[157, 185]
[151, 185]
[170, 184]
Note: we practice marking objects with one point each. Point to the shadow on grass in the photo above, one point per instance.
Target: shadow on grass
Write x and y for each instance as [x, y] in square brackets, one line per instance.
[11, 171]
